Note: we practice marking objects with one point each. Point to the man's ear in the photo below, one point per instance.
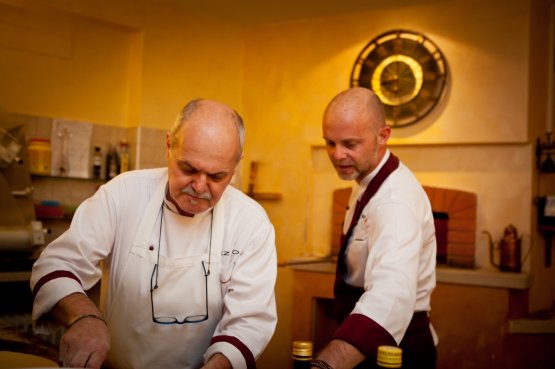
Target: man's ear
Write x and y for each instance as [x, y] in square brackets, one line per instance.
[168, 145]
[384, 134]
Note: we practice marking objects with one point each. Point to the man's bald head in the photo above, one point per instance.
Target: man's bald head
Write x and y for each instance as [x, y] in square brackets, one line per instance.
[355, 132]
[358, 103]
[210, 114]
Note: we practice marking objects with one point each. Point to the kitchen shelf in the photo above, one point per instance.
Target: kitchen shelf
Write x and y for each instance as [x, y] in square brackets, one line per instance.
[15, 276]
[266, 196]
[444, 274]
[47, 176]
[532, 326]
[484, 278]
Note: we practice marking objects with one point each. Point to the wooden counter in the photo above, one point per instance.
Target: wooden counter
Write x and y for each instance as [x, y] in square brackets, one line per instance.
[472, 277]
[473, 310]
[315, 281]
[16, 340]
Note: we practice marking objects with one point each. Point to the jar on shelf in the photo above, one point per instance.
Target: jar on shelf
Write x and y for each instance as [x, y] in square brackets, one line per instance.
[39, 156]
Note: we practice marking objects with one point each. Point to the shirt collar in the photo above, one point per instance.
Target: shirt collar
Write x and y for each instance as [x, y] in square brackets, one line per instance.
[364, 183]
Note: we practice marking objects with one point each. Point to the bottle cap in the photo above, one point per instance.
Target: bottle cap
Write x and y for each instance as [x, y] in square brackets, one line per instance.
[390, 357]
[45, 140]
[302, 350]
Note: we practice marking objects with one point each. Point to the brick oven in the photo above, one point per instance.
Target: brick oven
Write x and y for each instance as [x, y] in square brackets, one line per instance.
[454, 218]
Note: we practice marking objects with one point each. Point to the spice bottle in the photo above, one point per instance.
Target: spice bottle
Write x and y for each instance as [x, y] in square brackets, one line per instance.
[112, 163]
[124, 164]
[97, 163]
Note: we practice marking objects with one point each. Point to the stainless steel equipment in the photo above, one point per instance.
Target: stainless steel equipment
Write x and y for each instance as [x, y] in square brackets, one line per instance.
[20, 232]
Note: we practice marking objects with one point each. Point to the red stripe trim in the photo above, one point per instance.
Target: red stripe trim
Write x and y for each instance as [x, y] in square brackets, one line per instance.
[247, 354]
[364, 333]
[51, 276]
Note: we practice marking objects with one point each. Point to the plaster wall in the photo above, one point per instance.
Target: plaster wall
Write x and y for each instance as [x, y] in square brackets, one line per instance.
[469, 143]
[96, 62]
[135, 63]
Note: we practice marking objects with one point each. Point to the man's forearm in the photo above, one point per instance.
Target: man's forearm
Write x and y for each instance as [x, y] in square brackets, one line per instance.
[340, 355]
[217, 361]
[71, 307]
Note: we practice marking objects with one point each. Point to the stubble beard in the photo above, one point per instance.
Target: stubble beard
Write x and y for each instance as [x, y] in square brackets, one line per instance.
[348, 176]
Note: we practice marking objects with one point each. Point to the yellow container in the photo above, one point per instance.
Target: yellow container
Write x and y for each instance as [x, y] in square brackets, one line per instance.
[302, 350]
[39, 155]
[389, 357]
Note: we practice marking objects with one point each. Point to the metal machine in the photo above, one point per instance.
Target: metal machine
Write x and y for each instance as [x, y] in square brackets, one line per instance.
[20, 233]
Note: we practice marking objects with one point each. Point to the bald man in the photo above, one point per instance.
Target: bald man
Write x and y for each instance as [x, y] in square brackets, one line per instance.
[188, 262]
[386, 265]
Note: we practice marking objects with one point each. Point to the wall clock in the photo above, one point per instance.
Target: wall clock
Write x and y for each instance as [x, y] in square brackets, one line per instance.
[406, 70]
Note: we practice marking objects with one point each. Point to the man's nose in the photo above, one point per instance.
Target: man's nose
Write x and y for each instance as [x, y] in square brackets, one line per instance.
[338, 153]
[200, 184]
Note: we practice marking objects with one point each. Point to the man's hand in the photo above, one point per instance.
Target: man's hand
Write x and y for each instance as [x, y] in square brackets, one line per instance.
[85, 344]
[87, 340]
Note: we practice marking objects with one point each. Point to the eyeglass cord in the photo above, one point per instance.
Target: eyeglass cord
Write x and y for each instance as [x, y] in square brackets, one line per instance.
[160, 243]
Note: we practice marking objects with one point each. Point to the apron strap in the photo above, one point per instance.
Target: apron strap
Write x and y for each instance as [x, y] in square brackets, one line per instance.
[346, 295]
[389, 167]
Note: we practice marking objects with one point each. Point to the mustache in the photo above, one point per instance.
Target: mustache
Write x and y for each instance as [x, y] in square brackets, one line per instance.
[343, 162]
[190, 191]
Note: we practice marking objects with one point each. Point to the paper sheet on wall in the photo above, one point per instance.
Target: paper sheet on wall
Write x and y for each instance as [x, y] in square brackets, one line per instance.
[549, 210]
[71, 141]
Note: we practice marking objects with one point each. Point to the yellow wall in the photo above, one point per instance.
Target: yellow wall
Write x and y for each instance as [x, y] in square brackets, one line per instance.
[477, 140]
[61, 65]
[305, 63]
[135, 63]
[101, 64]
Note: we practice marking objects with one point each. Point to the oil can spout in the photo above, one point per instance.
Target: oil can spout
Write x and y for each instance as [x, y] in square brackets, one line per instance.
[491, 249]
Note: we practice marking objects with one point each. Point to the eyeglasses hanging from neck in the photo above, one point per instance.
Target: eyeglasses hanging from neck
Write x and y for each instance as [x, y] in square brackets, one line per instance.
[196, 318]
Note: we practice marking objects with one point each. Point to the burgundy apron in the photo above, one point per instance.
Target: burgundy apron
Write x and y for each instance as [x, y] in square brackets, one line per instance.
[417, 344]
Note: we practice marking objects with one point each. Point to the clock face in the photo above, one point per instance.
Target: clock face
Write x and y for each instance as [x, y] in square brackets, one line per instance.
[406, 70]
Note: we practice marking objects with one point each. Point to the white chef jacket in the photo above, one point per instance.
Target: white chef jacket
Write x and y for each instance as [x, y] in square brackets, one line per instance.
[392, 250]
[122, 221]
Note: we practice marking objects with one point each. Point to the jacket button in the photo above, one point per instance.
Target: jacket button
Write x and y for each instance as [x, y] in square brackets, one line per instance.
[151, 247]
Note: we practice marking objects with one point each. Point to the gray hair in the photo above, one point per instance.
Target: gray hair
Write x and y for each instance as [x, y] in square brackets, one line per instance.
[190, 108]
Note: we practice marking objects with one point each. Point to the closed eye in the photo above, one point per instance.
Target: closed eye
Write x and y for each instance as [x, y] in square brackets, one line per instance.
[350, 144]
[188, 170]
[217, 177]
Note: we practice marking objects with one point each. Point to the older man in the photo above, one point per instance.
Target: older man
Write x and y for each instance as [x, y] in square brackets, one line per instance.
[190, 261]
[386, 266]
